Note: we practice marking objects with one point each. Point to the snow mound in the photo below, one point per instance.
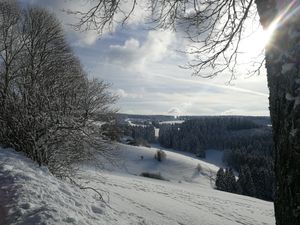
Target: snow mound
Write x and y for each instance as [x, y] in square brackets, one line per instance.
[31, 195]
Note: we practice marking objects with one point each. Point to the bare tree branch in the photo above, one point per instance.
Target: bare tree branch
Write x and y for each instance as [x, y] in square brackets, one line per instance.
[215, 28]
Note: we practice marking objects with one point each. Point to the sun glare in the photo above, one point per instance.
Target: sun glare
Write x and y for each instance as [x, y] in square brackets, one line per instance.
[268, 33]
[255, 43]
[285, 14]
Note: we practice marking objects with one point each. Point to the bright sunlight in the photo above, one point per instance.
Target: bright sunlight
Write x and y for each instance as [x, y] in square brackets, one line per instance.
[256, 42]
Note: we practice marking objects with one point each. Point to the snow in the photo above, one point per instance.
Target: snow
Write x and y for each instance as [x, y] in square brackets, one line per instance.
[130, 123]
[31, 195]
[156, 130]
[289, 97]
[172, 122]
[176, 167]
[287, 67]
[293, 34]
[293, 132]
[215, 157]
[297, 101]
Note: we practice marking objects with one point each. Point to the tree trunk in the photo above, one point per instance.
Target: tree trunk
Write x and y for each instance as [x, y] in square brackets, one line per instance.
[283, 65]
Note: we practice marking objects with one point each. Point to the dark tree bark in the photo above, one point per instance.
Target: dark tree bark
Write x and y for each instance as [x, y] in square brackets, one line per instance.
[282, 63]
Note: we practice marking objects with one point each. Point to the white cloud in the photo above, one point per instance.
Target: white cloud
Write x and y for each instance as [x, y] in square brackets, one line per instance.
[174, 111]
[125, 54]
[87, 38]
[133, 54]
[138, 94]
[121, 93]
[157, 45]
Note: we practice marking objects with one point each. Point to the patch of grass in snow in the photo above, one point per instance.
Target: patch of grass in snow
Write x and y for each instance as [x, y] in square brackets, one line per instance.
[157, 176]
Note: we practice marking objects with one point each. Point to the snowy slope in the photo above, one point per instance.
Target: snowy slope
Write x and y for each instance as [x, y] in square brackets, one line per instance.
[175, 168]
[30, 195]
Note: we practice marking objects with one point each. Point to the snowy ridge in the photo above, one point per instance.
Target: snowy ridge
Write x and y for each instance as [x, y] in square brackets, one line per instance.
[33, 196]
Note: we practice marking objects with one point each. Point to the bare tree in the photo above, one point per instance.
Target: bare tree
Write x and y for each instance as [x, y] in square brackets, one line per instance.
[216, 28]
[47, 103]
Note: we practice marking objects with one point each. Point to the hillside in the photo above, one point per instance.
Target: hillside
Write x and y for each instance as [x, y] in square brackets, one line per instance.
[30, 195]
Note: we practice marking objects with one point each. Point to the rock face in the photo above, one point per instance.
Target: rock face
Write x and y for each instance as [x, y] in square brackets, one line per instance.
[283, 64]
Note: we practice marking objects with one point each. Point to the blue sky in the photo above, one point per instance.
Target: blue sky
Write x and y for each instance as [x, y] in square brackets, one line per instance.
[143, 67]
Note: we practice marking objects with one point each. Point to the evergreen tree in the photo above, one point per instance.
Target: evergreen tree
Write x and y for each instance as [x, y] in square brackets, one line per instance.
[220, 180]
[230, 181]
[245, 181]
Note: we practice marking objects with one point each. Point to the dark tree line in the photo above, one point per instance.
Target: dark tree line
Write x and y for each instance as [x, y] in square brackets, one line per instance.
[225, 181]
[196, 135]
[247, 146]
[140, 133]
[255, 182]
[256, 163]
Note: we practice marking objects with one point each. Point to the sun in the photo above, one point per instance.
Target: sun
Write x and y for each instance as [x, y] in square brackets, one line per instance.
[268, 34]
[260, 39]
[270, 31]
[255, 43]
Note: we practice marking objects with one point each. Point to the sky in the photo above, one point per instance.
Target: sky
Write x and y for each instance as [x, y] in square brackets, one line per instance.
[144, 67]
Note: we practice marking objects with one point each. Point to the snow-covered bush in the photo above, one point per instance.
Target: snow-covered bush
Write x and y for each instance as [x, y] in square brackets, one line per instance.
[160, 155]
[47, 103]
[199, 168]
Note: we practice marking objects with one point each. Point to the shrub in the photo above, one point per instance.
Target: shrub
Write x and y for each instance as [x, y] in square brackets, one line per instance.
[199, 168]
[160, 155]
[153, 175]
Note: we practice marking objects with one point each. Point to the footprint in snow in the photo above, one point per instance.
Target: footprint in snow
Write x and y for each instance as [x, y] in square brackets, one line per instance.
[25, 206]
[97, 210]
[70, 220]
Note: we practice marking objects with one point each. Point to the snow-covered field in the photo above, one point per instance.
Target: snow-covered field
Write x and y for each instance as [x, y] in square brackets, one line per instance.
[30, 195]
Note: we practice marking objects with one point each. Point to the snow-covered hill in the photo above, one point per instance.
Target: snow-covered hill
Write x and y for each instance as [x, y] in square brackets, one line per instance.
[175, 168]
[30, 195]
